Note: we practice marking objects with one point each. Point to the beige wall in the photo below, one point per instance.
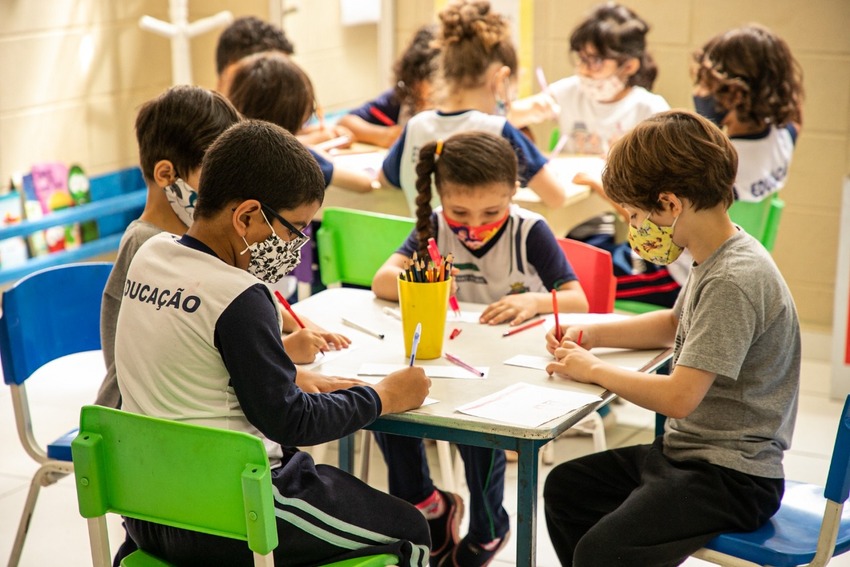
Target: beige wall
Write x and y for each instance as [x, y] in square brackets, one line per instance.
[54, 106]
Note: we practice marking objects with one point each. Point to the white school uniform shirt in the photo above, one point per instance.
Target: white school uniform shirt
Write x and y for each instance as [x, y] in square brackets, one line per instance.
[590, 126]
[763, 162]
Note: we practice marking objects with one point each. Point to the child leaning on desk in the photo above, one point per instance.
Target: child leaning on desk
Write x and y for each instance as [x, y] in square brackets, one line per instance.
[212, 355]
[505, 257]
[731, 396]
[476, 71]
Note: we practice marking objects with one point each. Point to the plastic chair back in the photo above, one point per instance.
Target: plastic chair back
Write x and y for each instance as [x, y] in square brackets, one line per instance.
[761, 219]
[198, 478]
[595, 272]
[49, 314]
[353, 244]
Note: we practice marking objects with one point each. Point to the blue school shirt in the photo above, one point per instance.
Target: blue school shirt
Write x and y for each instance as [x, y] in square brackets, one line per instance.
[387, 102]
[325, 165]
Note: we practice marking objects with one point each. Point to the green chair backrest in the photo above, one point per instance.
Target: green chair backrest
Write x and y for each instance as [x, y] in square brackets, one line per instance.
[203, 479]
[353, 244]
[761, 219]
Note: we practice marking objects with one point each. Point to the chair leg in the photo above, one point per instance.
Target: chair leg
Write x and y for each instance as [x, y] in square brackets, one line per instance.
[45, 476]
[444, 454]
[366, 440]
[99, 542]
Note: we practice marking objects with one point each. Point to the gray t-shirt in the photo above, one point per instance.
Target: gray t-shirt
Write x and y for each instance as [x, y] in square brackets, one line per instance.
[137, 233]
[737, 319]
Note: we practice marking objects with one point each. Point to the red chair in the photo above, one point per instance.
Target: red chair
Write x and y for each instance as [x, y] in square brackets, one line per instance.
[595, 272]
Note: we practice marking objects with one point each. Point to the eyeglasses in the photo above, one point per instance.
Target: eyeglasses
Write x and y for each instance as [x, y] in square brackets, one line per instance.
[593, 63]
[294, 234]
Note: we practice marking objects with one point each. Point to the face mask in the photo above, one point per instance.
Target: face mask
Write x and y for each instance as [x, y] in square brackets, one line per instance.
[274, 257]
[182, 199]
[601, 90]
[708, 107]
[475, 237]
[654, 243]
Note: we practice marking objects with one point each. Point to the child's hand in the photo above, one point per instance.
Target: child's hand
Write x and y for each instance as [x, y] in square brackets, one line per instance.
[569, 334]
[315, 383]
[303, 345]
[403, 390]
[512, 308]
[574, 362]
[334, 340]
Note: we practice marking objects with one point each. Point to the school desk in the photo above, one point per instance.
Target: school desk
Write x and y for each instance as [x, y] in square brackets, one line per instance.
[478, 345]
[581, 203]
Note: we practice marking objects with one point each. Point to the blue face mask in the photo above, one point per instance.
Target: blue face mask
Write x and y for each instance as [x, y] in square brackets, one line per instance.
[708, 107]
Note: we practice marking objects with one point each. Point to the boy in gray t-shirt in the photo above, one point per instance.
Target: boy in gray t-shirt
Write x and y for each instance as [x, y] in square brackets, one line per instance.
[732, 392]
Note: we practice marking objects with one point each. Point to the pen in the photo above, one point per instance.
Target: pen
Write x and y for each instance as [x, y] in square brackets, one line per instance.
[392, 313]
[288, 307]
[541, 80]
[417, 334]
[522, 327]
[376, 112]
[455, 360]
[558, 335]
[562, 141]
[580, 333]
[354, 325]
[332, 143]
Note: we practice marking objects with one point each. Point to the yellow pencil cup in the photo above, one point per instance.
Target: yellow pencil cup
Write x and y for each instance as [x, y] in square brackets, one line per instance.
[425, 303]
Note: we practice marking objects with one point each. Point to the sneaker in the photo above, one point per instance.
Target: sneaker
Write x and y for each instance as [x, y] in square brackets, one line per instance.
[445, 529]
[470, 554]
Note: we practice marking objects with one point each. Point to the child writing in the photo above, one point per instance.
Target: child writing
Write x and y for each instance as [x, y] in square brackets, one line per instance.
[270, 86]
[214, 357]
[749, 84]
[505, 257]
[476, 65]
[732, 393]
[379, 121]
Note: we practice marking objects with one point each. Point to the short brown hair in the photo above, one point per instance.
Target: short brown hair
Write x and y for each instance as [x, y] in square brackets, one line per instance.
[675, 151]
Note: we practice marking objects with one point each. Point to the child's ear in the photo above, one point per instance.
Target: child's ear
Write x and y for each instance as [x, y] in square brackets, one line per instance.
[631, 66]
[244, 216]
[670, 202]
[164, 173]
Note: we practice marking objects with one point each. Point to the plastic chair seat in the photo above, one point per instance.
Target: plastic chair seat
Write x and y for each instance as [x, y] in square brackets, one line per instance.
[60, 449]
[790, 537]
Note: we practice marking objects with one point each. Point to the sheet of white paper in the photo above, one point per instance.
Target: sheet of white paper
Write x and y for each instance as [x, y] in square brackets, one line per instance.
[343, 373]
[529, 361]
[436, 371]
[369, 162]
[329, 356]
[464, 317]
[527, 405]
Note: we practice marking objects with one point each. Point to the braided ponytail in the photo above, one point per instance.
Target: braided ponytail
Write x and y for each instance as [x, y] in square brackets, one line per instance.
[425, 169]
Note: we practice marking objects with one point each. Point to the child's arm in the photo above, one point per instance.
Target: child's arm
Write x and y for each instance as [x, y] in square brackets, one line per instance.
[533, 110]
[315, 383]
[514, 309]
[351, 180]
[656, 329]
[315, 134]
[376, 134]
[303, 345]
[546, 186]
[385, 282]
[596, 186]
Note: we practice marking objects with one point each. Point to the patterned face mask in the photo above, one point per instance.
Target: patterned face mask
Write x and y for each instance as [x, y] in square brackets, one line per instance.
[474, 237]
[182, 199]
[708, 107]
[654, 243]
[274, 257]
[601, 90]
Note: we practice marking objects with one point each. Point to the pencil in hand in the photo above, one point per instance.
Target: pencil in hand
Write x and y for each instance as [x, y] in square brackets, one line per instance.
[558, 334]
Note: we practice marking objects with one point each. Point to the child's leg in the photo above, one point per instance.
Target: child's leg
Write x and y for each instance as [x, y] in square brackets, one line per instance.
[485, 477]
[408, 472]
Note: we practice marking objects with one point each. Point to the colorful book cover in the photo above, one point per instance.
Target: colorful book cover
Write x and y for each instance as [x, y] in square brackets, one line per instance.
[50, 185]
[80, 189]
[32, 211]
[13, 251]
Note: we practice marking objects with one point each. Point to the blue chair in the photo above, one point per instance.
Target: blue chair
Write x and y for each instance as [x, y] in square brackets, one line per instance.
[810, 527]
[47, 315]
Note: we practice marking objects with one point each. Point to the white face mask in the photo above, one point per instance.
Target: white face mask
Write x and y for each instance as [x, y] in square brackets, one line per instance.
[274, 257]
[601, 90]
[182, 199]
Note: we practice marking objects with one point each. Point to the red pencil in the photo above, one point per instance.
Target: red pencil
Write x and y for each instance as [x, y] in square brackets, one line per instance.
[523, 327]
[376, 112]
[580, 333]
[288, 307]
[558, 336]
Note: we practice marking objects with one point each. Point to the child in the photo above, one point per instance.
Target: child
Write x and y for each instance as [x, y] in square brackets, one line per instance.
[212, 355]
[477, 62]
[245, 36]
[506, 257]
[379, 121]
[270, 86]
[732, 394]
[749, 84]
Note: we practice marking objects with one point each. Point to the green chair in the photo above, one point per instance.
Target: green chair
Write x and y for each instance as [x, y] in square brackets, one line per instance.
[761, 219]
[164, 471]
[354, 244]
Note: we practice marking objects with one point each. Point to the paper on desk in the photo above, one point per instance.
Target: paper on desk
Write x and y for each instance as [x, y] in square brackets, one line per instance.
[464, 317]
[540, 362]
[436, 371]
[343, 373]
[565, 168]
[329, 356]
[528, 405]
[369, 162]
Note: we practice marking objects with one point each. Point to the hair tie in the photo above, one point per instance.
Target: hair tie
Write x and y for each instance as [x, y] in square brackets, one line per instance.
[438, 150]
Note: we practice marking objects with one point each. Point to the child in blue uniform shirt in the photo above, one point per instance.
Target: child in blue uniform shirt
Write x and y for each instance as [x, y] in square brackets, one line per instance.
[505, 257]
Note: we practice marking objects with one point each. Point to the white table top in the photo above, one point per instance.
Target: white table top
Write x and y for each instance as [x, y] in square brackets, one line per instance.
[478, 345]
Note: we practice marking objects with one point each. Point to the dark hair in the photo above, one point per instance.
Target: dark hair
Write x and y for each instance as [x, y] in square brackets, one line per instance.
[616, 32]
[471, 38]
[246, 36]
[468, 160]
[258, 160]
[179, 125]
[270, 86]
[415, 66]
[754, 61]
[674, 151]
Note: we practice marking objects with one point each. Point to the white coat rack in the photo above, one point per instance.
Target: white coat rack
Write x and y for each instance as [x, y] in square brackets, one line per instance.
[180, 31]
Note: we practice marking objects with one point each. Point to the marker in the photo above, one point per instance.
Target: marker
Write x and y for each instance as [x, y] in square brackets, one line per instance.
[354, 325]
[541, 80]
[376, 112]
[558, 335]
[417, 334]
[455, 333]
[516, 330]
[580, 333]
[455, 360]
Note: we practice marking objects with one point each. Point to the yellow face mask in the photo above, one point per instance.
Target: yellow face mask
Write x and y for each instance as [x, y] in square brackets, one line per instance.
[654, 243]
